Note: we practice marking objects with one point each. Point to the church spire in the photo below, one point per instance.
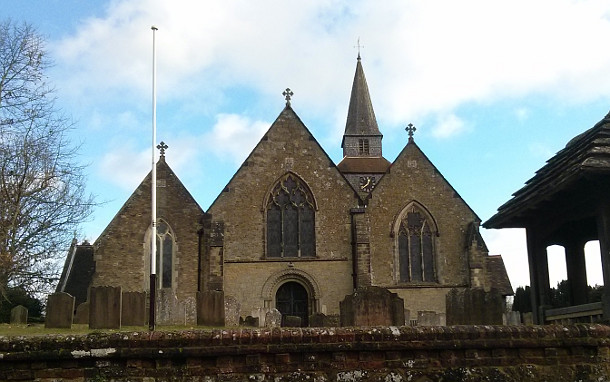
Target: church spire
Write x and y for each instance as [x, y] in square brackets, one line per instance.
[361, 121]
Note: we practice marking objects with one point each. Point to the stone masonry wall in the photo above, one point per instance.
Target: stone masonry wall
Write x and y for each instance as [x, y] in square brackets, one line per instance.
[460, 353]
[413, 177]
[121, 255]
[286, 147]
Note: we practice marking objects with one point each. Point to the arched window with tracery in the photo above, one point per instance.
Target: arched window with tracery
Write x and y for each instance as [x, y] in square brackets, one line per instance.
[416, 246]
[166, 248]
[290, 219]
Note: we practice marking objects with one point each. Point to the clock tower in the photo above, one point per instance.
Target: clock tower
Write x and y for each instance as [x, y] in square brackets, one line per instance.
[363, 163]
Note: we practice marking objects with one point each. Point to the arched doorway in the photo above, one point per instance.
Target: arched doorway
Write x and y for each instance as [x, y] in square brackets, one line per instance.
[291, 299]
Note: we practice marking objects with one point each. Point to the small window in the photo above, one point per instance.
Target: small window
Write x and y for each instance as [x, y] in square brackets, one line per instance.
[363, 146]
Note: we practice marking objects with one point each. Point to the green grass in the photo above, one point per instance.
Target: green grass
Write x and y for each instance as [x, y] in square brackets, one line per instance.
[39, 329]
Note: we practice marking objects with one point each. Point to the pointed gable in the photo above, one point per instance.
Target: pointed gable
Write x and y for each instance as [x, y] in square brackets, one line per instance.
[120, 249]
[287, 147]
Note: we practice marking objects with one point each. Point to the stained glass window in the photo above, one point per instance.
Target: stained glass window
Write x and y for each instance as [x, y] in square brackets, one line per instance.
[165, 254]
[415, 248]
[290, 219]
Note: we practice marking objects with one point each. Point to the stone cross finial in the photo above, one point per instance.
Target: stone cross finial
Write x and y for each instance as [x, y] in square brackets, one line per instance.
[288, 94]
[410, 130]
[162, 147]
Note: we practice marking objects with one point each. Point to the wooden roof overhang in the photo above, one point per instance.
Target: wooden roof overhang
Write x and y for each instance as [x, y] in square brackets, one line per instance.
[566, 192]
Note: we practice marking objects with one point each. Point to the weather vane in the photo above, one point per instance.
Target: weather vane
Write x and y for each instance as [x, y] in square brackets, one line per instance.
[358, 46]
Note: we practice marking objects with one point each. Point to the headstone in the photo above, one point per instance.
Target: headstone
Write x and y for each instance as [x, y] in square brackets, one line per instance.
[317, 320]
[511, 318]
[168, 310]
[474, 306]
[273, 318]
[528, 318]
[261, 314]
[19, 315]
[372, 306]
[60, 308]
[210, 308]
[105, 307]
[232, 308]
[82, 313]
[250, 321]
[133, 310]
[292, 321]
[428, 318]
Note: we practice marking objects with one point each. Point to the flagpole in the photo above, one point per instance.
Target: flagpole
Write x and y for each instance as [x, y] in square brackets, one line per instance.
[153, 236]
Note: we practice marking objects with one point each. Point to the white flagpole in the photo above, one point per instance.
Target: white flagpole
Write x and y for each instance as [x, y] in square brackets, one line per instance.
[153, 239]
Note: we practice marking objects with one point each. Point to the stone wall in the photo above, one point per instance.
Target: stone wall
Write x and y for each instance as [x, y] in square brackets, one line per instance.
[460, 353]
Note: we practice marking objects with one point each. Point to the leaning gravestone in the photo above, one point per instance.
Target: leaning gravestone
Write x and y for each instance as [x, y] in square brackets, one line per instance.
[133, 310]
[60, 308]
[19, 315]
[105, 307]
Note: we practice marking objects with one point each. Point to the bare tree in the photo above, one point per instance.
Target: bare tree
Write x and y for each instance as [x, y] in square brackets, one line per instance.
[42, 185]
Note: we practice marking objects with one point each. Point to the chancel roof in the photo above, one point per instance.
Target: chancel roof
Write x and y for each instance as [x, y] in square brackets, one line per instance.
[585, 157]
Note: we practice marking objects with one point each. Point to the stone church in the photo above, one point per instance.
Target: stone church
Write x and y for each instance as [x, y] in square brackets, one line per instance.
[294, 231]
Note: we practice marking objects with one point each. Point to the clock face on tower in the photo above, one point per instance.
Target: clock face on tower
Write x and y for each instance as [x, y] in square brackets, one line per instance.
[367, 183]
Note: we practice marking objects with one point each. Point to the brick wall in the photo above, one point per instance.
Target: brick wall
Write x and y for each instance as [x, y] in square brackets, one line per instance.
[461, 353]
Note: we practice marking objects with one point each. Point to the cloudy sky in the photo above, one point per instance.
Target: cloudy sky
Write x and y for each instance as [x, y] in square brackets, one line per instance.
[495, 88]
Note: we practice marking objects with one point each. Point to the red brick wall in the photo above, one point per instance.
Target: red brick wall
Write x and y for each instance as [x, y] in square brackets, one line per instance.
[460, 353]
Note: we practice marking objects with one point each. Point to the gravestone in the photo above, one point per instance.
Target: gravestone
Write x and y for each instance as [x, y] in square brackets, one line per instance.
[105, 307]
[82, 313]
[171, 311]
[211, 308]
[19, 315]
[232, 308]
[317, 320]
[273, 318]
[474, 307]
[372, 306]
[512, 318]
[292, 321]
[60, 308]
[133, 311]
[249, 321]
[428, 318]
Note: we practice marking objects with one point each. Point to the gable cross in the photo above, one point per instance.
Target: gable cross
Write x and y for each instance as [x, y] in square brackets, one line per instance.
[162, 147]
[410, 130]
[288, 94]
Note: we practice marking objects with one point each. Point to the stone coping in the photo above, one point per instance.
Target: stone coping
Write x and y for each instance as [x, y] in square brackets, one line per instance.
[281, 340]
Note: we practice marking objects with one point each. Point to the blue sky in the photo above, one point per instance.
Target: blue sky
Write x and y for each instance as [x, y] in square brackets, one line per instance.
[495, 88]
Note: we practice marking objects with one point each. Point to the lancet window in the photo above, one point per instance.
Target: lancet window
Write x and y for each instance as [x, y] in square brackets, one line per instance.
[165, 255]
[291, 219]
[416, 247]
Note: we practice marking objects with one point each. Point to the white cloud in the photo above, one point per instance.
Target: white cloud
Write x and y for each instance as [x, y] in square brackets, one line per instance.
[448, 126]
[420, 60]
[233, 137]
[125, 167]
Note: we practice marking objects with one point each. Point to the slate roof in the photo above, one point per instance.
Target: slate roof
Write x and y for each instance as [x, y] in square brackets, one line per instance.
[360, 115]
[78, 271]
[588, 154]
[499, 278]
